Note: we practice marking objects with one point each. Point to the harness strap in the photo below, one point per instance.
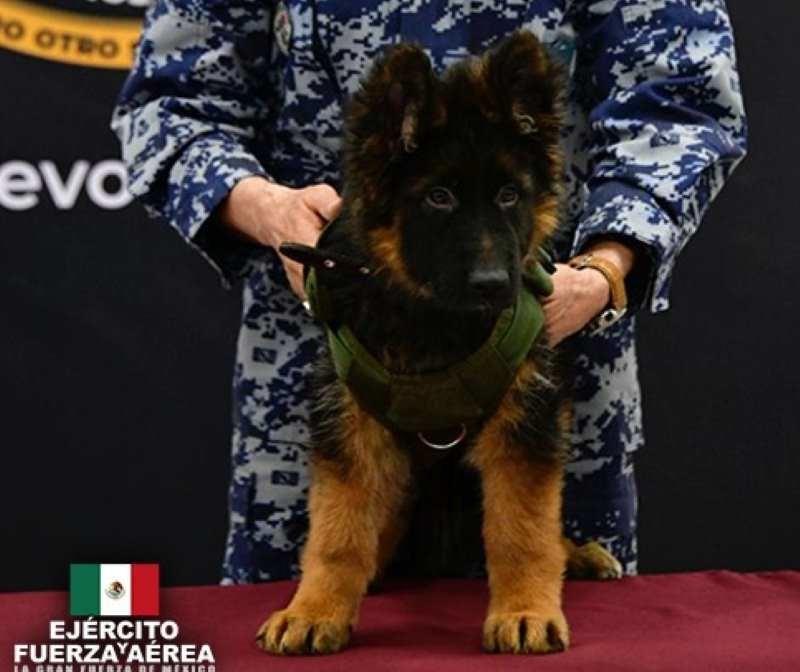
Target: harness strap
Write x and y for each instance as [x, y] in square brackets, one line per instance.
[461, 394]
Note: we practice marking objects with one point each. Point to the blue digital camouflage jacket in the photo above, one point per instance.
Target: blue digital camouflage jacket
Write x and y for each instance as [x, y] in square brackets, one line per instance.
[224, 89]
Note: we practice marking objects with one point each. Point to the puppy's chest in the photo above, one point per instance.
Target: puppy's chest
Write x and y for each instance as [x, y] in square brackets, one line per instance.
[444, 519]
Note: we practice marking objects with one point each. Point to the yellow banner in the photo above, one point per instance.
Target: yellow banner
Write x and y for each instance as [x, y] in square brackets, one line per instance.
[68, 37]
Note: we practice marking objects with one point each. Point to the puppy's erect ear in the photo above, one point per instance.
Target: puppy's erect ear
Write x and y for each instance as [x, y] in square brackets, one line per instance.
[394, 107]
[527, 85]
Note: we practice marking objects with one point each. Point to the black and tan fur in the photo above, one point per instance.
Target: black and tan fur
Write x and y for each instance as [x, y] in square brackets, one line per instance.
[488, 132]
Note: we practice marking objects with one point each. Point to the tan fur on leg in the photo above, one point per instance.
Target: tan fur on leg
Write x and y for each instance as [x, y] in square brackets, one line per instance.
[525, 556]
[389, 540]
[350, 506]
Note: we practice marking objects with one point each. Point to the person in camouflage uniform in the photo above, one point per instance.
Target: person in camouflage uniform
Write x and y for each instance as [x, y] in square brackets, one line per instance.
[223, 91]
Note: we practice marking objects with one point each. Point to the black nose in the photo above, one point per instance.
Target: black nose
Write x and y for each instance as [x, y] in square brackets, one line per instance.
[490, 282]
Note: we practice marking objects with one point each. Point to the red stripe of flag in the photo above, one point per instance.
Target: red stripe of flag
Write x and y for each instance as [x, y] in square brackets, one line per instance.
[144, 594]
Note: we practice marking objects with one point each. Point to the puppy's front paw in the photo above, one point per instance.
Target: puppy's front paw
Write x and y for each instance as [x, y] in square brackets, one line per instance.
[290, 633]
[592, 561]
[525, 632]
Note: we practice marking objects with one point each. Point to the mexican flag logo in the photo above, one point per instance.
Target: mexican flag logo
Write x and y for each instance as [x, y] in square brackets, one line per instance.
[113, 590]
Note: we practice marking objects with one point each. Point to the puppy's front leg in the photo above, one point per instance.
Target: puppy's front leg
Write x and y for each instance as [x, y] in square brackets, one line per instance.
[354, 495]
[525, 556]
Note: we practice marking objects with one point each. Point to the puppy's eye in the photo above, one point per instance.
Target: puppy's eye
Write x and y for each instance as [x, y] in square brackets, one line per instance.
[507, 196]
[441, 199]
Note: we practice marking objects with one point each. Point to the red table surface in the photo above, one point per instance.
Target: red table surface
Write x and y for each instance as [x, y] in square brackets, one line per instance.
[706, 621]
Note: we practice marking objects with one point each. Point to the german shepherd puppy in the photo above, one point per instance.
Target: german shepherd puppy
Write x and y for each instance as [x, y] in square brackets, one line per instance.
[451, 182]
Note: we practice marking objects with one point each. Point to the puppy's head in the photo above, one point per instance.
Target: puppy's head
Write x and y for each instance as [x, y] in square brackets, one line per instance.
[454, 180]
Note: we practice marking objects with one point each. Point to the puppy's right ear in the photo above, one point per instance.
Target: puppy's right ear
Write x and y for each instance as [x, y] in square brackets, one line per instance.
[393, 109]
[527, 86]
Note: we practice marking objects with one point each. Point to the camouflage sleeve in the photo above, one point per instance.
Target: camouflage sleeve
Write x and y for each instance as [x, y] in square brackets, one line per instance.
[666, 124]
[188, 115]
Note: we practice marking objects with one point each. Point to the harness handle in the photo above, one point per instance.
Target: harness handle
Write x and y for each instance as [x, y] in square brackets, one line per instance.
[313, 257]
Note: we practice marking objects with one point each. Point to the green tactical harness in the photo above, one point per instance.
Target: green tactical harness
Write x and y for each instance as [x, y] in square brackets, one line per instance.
[458, 396]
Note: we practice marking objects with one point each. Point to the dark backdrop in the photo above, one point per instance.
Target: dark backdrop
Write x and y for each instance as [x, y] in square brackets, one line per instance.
[116, 345]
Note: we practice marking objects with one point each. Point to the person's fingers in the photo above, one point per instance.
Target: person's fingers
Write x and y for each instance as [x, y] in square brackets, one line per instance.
[323, 199]
[559, 278]
[557, 320]
[294, 273]
[305, 227]
[551, 323]
[552, 312]
[331, 210]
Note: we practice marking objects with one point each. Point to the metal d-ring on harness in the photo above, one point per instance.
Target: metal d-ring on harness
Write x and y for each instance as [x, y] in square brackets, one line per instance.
[452, 399]
[444, 446]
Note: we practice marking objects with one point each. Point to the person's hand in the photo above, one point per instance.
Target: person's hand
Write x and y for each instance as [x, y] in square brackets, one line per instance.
[271, 214]
[578, 296]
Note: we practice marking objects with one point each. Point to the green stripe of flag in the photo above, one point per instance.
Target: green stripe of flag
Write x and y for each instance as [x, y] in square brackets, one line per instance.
[84, 590]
